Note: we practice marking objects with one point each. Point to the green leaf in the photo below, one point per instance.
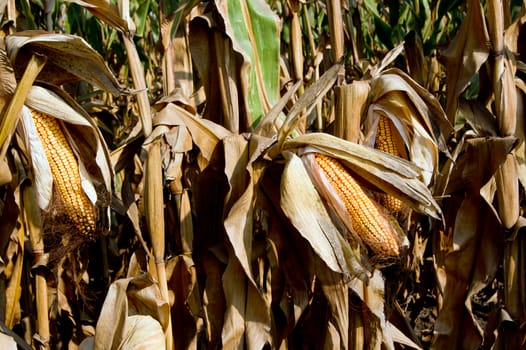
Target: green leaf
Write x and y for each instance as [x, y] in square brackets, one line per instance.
[141, 17]
[254, 31]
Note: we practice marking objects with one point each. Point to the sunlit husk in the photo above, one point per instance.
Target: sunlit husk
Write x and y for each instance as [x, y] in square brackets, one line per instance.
[416, 116]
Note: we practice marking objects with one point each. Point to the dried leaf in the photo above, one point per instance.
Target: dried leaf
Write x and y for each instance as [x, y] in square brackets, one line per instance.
[307, 102]
[247, 317]
[107, 12]
[182, 281]
[126, 298]
[7, 78]
[5, 173]
[476, 164]
[205, 134]
[143, 333]
[401, 338]
[214, 303]
[247, 322]
[336, 291]
[69, 57]
[468, 256]
[466, 53]
[377, 333]
[481, 120]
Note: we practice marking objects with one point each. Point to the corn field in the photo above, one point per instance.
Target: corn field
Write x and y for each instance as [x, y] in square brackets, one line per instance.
[251, 174]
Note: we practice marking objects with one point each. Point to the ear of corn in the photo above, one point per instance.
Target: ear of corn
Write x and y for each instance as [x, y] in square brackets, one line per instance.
[66, 175]
[368, 221]
[385, 142]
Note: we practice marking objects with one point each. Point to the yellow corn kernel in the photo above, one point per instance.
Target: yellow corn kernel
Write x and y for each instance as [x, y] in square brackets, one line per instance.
[368, 221]
[66, 175]
[384, 137]
[385, 142]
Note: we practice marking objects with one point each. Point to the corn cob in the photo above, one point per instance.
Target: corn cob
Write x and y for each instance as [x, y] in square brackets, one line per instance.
[368, 221]
[78, 209]
[385, 142]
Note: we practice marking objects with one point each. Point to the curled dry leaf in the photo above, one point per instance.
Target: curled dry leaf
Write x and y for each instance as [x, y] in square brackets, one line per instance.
[205, 134]
[336, 290]
[107, 12]
[468, 174]
[7, 89]
[467, 258]
[70, 58]
[466, 53]
[7, 79]
[142, 333]
[182, 280]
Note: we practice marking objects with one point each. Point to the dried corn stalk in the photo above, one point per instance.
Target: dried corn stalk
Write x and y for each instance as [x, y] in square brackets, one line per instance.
[359, 212]
[78, 208]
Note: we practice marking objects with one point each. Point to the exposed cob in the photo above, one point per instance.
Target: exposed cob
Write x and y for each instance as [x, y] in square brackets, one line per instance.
[78, 209]
[385, 142]
[368, 221]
